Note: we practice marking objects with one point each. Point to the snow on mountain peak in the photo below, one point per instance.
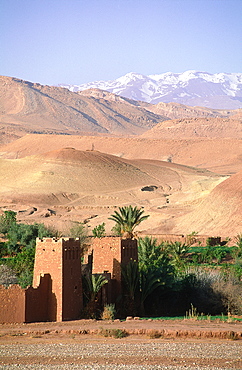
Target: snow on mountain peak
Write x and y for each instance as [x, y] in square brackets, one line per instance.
[219, 90]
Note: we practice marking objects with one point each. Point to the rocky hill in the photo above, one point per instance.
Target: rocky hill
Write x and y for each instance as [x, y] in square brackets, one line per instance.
[87, 153]
[26, 107]
[33, 108]
[186, 128]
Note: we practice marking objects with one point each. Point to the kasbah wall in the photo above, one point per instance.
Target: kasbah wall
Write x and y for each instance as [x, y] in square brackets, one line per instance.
[56, 294]
[108, 254]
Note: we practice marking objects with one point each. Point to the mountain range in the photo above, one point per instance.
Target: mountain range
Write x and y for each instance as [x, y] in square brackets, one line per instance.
[27, 108]
[219, 90]
[88, 152]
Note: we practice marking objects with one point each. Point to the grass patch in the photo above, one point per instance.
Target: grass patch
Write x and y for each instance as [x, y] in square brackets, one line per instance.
[224, 318]
[154, 334]
[163, 318]
[114, 333]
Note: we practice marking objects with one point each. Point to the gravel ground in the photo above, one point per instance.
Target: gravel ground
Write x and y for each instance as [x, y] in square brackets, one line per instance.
[123, 354]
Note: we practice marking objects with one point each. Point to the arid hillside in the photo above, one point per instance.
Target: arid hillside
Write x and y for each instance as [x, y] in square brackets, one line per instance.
[70, 185]
[220, 210]
[28, 107]
[189, 128]
[223, 156]
[68, 157]
[180, 111]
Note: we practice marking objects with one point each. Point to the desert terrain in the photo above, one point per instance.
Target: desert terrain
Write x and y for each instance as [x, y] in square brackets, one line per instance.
[68, 157]
[156, 344]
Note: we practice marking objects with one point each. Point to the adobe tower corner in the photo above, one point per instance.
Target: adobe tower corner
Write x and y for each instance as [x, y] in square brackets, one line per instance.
[60, 259]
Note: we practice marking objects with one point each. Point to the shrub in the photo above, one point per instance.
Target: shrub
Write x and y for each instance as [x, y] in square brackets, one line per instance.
[230, 291]
[23, 264]
[99, 231]
[7, 276]
[116, 230]
[6, 221]
[108, 312]
[154, 334]
[115, 333]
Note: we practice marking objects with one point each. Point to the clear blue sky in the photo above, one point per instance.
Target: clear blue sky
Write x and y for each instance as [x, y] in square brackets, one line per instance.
[78, 41]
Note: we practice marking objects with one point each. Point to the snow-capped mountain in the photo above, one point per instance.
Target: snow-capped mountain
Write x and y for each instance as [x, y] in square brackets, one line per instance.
[219, 90]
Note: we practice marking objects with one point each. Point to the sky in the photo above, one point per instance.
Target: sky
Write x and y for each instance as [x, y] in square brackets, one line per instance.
[80, 41]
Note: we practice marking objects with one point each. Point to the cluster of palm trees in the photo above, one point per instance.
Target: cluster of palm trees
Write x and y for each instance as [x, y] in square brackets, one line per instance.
[155, 269]
[140, 279]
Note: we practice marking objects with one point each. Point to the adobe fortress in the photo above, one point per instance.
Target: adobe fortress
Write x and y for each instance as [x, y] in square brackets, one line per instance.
[56, 294]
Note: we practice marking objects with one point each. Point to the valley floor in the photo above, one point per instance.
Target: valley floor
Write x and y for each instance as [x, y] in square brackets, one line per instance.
[65, 346]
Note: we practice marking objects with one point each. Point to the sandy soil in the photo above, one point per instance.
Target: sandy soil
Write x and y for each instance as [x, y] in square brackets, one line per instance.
[183, 344]
[186, 328]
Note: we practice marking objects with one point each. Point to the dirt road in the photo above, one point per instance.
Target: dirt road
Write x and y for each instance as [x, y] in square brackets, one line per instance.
[86, 344]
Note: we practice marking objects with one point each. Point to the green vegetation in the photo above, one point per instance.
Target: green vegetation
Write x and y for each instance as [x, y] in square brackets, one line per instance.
[19, 243]
[78, 230]
[114, 333]
[92, 284]
[109, 312]
[99, 231]
[128, 218]
[169, 279]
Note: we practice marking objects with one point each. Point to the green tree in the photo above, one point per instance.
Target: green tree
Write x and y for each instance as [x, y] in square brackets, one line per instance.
[7, 220]
[79, 230]
[237, 250]
[154, 267]
[131, 285]
[24, 235]
[92, 285]
[178, 251]
[99, 231]
[152, 256]
[23, 265]
[128, 218]
[149, 281]
[21, 241]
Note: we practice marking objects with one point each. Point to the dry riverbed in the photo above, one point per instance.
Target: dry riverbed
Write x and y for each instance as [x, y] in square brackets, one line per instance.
[83, 344]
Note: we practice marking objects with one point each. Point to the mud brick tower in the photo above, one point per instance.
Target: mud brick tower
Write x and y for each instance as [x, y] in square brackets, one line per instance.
[108, 254]
[60, 259]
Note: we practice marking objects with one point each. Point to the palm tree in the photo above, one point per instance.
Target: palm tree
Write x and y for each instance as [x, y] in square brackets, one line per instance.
[178, 251]
[92, 285]
[151, 255]
[128, 218]
[154, 267]
[149, 281]
[130, 277]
